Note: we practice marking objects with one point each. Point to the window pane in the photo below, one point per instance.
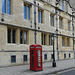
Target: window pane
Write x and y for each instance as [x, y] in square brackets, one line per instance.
[24, 11]
[25, 58]
[8, 6]
[62, 5]
[67, 41]
[45, 56]
[68, 26]
[38, 15]
[60, 23]
[52, 20]
[9, 35]
[25, 38]
[69, 55]
[13, 36]
[49, 39]
[42, 39]
[13, 59]
[51, 56]
[64, 55]
[28, 13]
[41, 16]
[3, 6]
[66, 7]
[21, 37]
[63, 42]
[74, 42]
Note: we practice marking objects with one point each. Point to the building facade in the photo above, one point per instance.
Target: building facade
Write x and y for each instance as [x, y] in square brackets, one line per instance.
[17, 30]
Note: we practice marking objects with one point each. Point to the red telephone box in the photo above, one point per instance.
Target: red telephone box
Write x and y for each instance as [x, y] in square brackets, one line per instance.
[36, 57]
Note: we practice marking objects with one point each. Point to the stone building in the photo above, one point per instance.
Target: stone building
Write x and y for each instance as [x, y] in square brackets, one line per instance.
[17, 30]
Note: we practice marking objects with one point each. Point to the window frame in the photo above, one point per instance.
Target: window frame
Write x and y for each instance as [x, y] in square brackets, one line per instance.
[23, 37]
[13, 61]
[63, 5]
[7, 7]
[11, 41]
[43, 39]
[52, 20]
[50, 40]
[60, 23]
[45, 56]
[68, 42]
[69, 55]
[25, 58]
[27, 5]
[40, 17]
[63, 41]
[69, 23]
[66, 7]
[65, 56]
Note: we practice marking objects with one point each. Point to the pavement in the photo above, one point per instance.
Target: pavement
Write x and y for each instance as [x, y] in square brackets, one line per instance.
[47, 68]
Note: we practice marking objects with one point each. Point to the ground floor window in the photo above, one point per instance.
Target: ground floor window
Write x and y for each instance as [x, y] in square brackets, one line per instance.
[24, 58]
[23, 37]
[45, 56]
[68, 42]
[11, 35]
[69, 55]
[50, 40]
[13, 58]
[64, 55]
[43, 39]
[74, 42]
[63, 41]
[51, 56]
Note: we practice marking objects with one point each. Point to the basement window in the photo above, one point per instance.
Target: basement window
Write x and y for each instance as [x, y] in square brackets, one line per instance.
[13, 58]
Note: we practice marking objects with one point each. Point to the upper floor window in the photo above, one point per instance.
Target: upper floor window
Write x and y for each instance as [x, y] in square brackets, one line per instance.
[26, 12]
[52, 20]
[11, 35]
[68, 42]
[62, 5]
[66, 7]
[6, 6]
[68, 25]
[50, 40]
[23, 37]
[60, 23]
[40, 16]
[43, 39]
[63, 41]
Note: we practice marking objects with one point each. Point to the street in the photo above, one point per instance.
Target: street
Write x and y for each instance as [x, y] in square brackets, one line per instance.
[66, 72]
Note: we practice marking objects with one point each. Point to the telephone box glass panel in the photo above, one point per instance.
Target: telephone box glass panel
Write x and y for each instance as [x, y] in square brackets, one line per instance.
[32, 58]
[39, 58]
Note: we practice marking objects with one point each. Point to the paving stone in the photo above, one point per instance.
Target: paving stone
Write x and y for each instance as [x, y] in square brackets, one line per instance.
[47, 68]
